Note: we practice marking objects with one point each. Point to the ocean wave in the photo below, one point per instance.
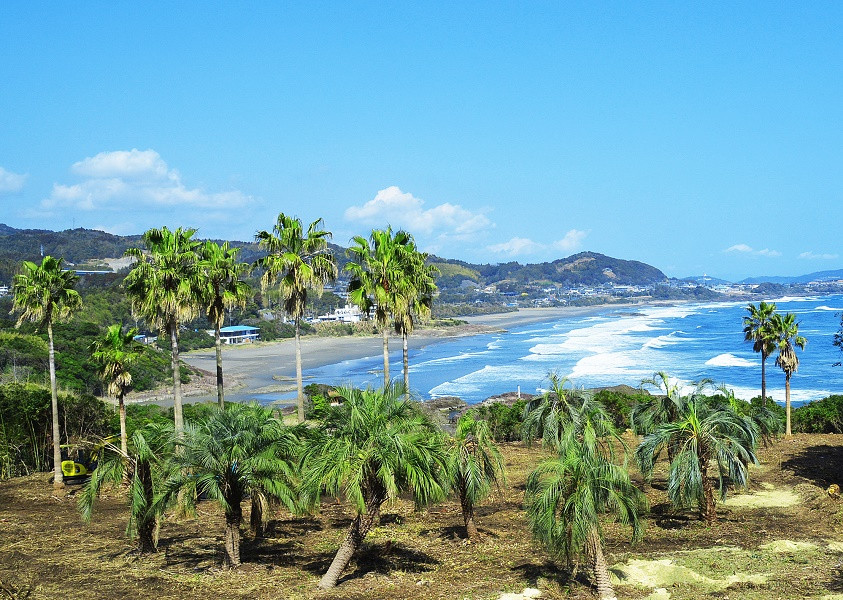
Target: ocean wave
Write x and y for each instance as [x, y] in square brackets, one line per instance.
[728, 359]
[829, 308]
[797, 395]
[662, 341]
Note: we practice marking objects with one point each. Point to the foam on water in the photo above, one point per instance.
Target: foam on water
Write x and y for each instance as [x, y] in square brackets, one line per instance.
[728, 359]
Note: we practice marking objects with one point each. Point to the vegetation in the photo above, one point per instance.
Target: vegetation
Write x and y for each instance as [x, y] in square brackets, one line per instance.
[44, 294]
[297, 261]
[163, 287]
[223, 288]
[372, 447]
[785, 331]
[757, 329]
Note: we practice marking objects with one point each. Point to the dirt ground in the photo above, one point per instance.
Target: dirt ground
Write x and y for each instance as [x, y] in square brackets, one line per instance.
[777, 549]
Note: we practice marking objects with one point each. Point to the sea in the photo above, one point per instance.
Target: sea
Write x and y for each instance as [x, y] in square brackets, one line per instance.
[619, 345]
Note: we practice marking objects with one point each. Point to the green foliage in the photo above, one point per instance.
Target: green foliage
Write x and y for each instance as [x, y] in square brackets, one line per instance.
[504, 420]
[189, 339]
[25, 425]
[620, 405]
[821, 416]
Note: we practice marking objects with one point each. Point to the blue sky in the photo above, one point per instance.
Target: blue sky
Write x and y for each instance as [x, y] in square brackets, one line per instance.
[699, 139]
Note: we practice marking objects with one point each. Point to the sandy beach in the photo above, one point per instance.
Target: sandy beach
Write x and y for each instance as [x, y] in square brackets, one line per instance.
[269, 367]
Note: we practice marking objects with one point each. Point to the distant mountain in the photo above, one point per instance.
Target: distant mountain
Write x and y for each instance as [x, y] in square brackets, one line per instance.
[832, 275]
[705, 280]
[583, 269]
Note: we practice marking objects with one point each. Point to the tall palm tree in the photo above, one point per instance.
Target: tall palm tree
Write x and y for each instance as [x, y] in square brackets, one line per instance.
[115, 352]
[44, 294]
[787, 339]
[297, 261]
[704, 432]
[566, 496]
[377, 267]
[756, 329]
[238, 451]
[475, 465]
[374, 446]
[223, 289]
[164, 288]
[414, 299]
[148, 452]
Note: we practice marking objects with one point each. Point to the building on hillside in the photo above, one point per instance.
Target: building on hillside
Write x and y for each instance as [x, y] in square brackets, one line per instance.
[238, 334]
[347, 314]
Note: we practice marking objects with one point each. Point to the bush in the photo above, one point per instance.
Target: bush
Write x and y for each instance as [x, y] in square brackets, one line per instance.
[619, 405]
[820, 416]
[504, 420]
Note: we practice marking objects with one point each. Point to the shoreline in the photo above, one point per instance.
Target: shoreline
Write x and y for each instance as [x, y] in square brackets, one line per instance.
[269, 367]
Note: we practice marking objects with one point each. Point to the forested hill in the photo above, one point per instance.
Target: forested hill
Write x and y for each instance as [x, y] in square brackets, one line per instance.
[583, 269]
[86, 247]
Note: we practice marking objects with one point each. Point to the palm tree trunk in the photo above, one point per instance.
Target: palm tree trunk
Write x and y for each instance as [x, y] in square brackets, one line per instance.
[708, 509]
[468, 516]
[232, 535]
[218, 344]
[787, 431]
[353, 540]
[385, 356]
[404, 338]
[178, 415]
[764, 379]
[299, 384]
[58, 476]
[147, 523]
[599, 567]
[256, 516]
[124, 445]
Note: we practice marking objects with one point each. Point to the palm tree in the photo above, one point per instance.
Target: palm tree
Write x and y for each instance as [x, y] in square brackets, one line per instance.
[786, 334]
[164, 288]
[377, 267]
[546, 415]
[756, 329]
[374, 446]
[223, 288]
[239, 451]
[663, 407]
[475, 465]
[115, 352]
[566, 496]
[44, 295]
[146, 457]
[297, 262]
[768, 424]
[414, 299]
[704, 432]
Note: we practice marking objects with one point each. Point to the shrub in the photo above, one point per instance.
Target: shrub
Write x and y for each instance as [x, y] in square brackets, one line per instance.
[820, 416]
[504, 420]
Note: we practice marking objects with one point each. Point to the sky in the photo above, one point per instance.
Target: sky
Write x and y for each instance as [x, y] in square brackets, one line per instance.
[699, 139]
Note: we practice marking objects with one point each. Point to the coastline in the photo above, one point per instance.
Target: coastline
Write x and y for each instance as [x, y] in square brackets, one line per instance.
[269, 367]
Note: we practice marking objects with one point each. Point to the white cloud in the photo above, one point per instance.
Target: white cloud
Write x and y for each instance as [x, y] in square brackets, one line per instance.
[516, 247]
[391, 206]
[572, 240]
[822, 256]
[745, 249]
[134, 179]
[10, 182]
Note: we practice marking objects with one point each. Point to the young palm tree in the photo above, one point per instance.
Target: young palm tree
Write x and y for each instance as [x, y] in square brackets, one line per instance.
[475, 465]
[44, 294]
[223, 288]
[567, 496]
[704, 432]
[663, 407]
[766, 422]
[374, 446]
[239, 451]
[545, 416]
[164, 288]
[297, 262]
[148, 452]
[414, 299]
[115, 352]
[377, 267]
[787, 339]
[756, 329]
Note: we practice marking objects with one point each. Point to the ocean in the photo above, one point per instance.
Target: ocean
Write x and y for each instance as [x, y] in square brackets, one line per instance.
[621, 345]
